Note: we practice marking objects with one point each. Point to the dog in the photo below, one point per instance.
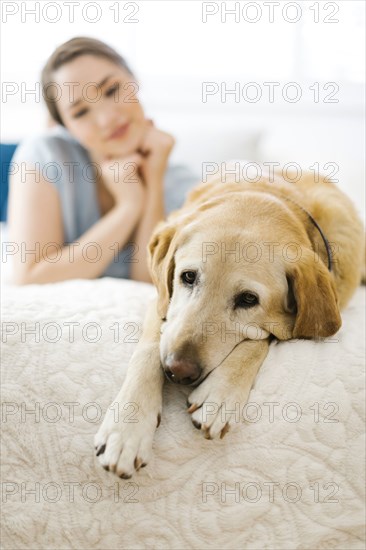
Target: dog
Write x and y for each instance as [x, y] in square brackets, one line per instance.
[240, 264]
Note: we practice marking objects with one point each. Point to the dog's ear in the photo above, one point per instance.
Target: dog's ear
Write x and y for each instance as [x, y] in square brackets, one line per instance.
[161, 251]
[312, 288]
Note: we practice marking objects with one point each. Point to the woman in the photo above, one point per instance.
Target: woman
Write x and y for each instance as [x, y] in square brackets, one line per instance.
[98, 182]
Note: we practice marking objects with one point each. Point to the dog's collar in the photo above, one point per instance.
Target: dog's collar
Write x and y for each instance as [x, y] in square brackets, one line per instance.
[315, 223]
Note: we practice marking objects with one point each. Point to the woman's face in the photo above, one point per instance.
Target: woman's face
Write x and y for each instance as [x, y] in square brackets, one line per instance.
[99, 106]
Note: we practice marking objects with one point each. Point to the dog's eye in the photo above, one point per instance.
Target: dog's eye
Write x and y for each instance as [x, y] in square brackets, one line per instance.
[246, 300]
[188, 277]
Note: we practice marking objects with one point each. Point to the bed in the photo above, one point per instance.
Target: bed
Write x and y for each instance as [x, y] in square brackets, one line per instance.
[290, 476]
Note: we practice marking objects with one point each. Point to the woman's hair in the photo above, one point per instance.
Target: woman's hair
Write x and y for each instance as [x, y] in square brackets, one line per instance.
[67, 52]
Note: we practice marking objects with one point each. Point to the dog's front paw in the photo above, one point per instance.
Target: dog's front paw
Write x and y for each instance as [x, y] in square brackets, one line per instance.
[123, 442]
[216, 406]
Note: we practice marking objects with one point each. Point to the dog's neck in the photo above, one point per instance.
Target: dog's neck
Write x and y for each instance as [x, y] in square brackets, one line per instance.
[315, 223]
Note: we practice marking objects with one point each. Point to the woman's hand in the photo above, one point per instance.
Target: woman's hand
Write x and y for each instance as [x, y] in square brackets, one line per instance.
[121, 177]
[155, 149]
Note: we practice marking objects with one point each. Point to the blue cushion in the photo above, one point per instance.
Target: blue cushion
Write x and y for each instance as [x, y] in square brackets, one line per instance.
[7, 151]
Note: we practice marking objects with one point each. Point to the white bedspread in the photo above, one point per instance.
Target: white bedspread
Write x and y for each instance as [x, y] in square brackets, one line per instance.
[291, 481]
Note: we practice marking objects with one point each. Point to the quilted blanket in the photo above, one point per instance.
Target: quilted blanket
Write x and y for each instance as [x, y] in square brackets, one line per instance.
[290, 476]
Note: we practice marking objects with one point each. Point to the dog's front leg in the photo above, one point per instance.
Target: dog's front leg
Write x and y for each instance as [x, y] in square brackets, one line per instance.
[217, 403]
[124, 440]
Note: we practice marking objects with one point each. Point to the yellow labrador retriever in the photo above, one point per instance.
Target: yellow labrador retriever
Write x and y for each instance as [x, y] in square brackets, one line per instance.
[240, 264]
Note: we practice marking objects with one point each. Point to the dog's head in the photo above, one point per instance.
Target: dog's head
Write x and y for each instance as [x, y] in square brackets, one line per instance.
[236, 271]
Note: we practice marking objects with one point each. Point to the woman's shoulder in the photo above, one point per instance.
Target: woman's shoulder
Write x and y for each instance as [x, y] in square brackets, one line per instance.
[49, 146]
[180, 179]
[181, 174]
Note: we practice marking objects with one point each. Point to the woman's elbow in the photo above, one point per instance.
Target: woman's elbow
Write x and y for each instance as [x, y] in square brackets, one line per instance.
[142, 276]
[20, 279]
[26, 276]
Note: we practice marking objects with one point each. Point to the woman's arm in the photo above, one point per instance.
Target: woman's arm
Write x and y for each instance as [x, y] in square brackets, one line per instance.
[35, 221]
[153, 213]
[156, 149]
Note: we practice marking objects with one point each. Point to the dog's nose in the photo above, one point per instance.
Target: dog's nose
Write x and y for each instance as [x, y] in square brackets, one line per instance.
[181, 370]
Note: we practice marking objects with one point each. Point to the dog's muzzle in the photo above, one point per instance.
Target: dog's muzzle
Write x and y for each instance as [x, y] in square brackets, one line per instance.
[181, 370]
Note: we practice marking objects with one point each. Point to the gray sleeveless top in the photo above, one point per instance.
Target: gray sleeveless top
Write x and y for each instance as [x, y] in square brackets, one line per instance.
[67, 165]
